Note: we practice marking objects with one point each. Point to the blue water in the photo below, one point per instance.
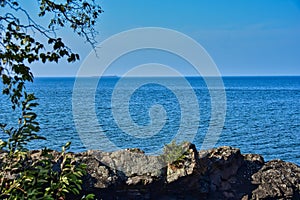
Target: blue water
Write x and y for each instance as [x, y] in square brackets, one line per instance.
[262, 116]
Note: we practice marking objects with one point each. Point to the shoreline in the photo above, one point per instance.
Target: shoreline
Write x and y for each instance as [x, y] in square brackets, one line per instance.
[219, 173]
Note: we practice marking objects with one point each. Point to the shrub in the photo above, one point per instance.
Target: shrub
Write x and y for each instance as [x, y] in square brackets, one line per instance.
[174, 153]
[23, 41]
[52, 175]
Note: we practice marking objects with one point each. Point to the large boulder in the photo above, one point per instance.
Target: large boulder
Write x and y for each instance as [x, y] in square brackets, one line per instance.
[125, 167]
[225, 172]
[277, 180]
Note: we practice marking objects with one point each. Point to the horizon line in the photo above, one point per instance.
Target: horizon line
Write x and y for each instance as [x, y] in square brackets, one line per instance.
[187, 76]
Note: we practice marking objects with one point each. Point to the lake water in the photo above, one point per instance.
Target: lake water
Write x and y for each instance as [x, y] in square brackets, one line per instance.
[262, 116]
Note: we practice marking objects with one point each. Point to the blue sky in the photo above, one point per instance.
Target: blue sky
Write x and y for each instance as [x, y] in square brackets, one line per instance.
[244, 37]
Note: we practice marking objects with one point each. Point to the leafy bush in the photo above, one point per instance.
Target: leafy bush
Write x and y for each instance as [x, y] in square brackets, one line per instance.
[26, 130]
[23, 41]
[174, 153]
[50, 176]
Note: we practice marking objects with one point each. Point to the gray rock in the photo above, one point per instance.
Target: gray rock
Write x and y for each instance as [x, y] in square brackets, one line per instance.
[219, 173]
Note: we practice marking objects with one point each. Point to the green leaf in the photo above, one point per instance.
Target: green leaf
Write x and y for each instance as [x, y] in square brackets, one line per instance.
[5, 79]
[67, 145]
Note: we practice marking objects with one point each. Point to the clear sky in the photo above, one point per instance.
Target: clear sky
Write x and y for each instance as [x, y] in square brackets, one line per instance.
[244, 37]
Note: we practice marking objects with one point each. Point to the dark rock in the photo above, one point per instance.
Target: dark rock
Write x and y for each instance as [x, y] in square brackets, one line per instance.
[221, 165]
[220, 173]
[277, 180]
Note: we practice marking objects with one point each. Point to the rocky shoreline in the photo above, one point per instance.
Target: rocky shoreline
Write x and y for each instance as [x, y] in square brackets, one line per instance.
[220, 173]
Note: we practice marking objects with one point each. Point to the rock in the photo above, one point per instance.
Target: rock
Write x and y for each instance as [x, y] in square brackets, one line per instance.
[277, 180]
[254, 158]
[186, 167]
[99, 175]
[124, 167]
[219, 173]
[222, 164]
[241, 184]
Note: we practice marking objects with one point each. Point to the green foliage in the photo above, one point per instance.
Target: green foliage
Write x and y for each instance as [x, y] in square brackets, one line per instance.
[27, 127]
[22, 43]
[50, 177]
[174, 153]
[18, 44]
